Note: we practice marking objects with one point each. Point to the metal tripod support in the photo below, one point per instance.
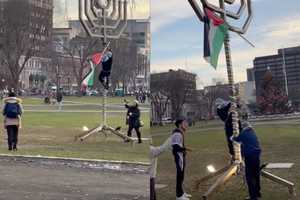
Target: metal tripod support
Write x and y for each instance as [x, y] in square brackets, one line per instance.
[233, 169]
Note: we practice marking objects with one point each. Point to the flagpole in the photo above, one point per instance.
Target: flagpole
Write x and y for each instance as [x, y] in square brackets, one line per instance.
[237, 152]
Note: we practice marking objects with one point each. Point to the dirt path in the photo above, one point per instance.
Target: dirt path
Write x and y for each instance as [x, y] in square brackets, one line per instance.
[33, 180]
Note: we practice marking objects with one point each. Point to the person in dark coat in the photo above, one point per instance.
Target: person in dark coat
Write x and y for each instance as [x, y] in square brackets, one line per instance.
[59, 99]
[133, 117]
[251, 152]
[225, 114]
[106, 69]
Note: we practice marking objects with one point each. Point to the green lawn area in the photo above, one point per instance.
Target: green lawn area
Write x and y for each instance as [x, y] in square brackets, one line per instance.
[279, 141]
[52, 134]
[85, 99]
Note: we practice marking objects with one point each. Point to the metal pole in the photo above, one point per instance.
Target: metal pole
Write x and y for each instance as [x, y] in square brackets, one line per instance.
[104, 116]
[237, 152]
[284, 72]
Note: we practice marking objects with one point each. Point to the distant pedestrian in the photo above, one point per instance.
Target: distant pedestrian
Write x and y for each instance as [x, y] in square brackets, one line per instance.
[179, 151]
[59, 99]
[12, 111]
[52, 98]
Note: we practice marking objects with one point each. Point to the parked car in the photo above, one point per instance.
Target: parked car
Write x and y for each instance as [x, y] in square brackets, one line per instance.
[92, 93]
[167, 120]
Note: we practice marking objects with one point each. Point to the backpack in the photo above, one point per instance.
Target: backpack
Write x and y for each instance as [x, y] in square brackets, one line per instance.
[12, 110]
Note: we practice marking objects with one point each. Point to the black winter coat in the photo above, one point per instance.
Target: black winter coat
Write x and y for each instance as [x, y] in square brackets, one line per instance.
[134, 117]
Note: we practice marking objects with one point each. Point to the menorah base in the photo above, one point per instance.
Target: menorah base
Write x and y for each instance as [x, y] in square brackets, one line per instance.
[104, 129]
[229, 171]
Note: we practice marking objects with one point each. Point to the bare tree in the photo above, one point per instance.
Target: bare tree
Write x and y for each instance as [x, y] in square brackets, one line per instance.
[21, 37]
[124, 58]
[160, 104]
[80, 48]
[176, 88]
[273, 99]
[125, 62]
[210, 95]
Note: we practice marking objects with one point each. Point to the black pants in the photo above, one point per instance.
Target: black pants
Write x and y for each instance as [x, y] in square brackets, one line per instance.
[253, 175]
[179, 175]
[137, 130]
[104, 78]
[12, 136]
[152, 189]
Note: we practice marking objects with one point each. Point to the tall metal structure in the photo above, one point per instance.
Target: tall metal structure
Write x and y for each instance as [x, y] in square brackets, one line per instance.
[104, 19]
[234, 168]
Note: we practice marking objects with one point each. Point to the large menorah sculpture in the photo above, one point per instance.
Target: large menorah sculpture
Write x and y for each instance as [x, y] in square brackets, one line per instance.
[234, 168]
[104, 19]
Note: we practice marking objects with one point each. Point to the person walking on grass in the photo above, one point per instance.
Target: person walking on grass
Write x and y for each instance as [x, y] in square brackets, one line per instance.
[12, 111]
[59, 99]
[133, 119]
[179, 152]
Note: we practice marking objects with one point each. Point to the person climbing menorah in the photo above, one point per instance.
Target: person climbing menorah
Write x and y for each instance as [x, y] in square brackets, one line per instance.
[105, 73]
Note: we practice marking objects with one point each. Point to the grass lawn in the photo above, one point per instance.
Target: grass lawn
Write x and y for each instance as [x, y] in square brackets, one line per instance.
[279, 141]
[86, 99]
[52, 134]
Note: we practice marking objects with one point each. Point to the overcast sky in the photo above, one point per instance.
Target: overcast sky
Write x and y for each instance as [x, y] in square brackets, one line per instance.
[177, 37]
[68, 9]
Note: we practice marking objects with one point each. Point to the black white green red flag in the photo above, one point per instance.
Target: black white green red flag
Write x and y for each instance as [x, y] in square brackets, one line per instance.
[88, 80]
[215, 30]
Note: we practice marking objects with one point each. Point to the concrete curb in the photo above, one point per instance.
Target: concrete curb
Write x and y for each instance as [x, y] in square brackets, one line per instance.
[73, 159]
[81, 164]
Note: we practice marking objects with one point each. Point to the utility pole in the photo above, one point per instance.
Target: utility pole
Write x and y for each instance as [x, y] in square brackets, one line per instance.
[284, 72]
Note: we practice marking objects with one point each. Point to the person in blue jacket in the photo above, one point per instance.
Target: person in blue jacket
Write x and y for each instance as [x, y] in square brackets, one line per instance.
[251, 152]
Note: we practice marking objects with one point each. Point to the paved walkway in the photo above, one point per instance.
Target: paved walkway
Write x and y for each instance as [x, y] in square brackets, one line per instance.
[36, 180]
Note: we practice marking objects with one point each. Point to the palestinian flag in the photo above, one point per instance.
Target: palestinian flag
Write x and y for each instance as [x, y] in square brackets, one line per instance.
[215, 30]
[88, 80]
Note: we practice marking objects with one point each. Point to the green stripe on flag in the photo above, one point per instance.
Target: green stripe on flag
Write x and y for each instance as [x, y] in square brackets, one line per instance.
[217, 41]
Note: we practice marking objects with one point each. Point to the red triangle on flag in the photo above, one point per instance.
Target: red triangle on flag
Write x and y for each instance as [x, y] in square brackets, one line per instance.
[96, 58]
[212, 16]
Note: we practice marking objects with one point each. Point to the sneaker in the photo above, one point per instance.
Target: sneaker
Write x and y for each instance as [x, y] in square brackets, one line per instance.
[249, 198]
[182, 198]
[187, 195]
